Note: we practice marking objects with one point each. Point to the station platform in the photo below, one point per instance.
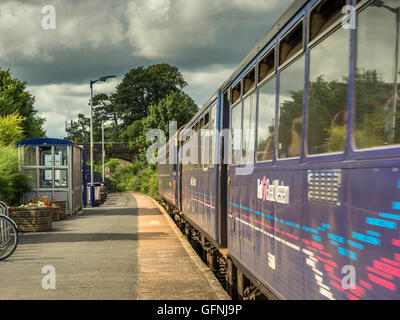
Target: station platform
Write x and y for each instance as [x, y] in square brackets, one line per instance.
[128, 248]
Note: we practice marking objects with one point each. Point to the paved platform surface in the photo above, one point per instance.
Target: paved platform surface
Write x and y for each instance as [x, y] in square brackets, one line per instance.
[125, 249]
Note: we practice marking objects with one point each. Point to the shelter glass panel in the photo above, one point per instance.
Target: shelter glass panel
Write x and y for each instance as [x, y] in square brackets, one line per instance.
[45, 156]
[60, 156]
[29, 156]
[61, 178]
[45, 178]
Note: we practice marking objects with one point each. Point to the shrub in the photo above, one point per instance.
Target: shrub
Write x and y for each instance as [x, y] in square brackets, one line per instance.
[13, 183]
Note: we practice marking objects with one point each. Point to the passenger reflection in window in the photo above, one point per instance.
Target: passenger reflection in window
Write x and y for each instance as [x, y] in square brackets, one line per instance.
[377, 120]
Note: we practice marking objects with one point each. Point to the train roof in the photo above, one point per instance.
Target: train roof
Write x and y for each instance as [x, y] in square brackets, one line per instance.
[202, 109]
[271, 33]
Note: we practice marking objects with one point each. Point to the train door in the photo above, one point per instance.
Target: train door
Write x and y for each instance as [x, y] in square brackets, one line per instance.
[233, 187]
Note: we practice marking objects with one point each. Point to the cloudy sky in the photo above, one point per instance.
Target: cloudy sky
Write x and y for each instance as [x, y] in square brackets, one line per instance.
[205, 39]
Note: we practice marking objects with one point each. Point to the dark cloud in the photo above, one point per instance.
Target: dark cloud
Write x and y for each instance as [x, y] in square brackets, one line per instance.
[206, 39]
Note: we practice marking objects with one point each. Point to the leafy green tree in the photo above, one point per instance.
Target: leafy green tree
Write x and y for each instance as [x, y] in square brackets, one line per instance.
[79, 130]
[133, 132]
[11, 129]
[178, 107]
[142, 87]
[15, 98]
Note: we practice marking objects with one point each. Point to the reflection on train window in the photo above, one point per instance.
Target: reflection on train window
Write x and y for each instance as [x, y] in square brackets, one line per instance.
[46, 178]
[324, 15]
[236, 92]
[266, 65]
[291, 44]
[249, 81]
[377, 120]
[204, 142]
[236, 125]
[326, 130]
[266, 121]
[290, 126]
[249, 127]
[213, 134]
[61, 178]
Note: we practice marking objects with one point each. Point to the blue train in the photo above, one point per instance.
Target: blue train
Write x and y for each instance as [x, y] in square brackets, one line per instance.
[309, 206]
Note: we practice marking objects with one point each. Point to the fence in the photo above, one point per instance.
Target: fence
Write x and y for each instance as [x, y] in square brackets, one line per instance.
[4, 227]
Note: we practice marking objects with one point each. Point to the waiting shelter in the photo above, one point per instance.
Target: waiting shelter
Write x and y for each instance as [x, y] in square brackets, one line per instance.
[55, 169]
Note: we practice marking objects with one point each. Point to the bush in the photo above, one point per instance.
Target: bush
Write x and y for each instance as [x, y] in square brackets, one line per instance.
[13, 183]
[133, 176]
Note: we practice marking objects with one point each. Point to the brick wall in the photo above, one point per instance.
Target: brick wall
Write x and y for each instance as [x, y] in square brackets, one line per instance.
[32, 219]
[63, 208]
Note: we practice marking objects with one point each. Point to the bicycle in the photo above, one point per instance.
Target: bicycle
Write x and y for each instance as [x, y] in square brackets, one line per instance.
[8, 233]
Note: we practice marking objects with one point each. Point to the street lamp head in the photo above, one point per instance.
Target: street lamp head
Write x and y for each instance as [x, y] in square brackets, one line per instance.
[377, 3]
[105, 78]
[381, 4]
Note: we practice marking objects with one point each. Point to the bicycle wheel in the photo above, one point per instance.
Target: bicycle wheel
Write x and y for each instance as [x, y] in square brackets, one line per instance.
[8, 237]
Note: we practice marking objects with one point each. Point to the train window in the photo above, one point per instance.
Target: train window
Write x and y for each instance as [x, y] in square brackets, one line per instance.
[249, 81]
[266, 121]
[291, 44]
[377, 120]
[213, 136]
[206, 120]
[237, 92]
[290, 125]
[324, 15]
[266, 65]
[236, 126]
[326, 129]
[204, 143]
[249, 127]
[201, 124]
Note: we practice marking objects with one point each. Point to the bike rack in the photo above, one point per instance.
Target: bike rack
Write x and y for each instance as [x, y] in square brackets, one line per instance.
[3, 232]
[3, 208]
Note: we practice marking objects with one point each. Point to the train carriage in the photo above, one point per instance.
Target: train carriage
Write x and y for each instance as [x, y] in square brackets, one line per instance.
[199, 173]
[311, 199]
[167, 171]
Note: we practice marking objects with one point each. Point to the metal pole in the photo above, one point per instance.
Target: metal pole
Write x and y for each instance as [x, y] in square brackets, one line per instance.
[102, 142]
[91, 147]
[396, 75]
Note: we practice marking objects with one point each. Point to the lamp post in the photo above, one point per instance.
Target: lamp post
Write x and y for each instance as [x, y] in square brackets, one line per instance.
[104, 79]
[102, 145]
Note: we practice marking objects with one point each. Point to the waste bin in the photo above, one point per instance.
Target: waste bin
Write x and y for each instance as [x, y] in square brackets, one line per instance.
[97, 198]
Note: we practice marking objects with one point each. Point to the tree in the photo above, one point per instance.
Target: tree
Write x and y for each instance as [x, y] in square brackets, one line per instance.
[142, 87]
[178, 107]
[175, 106]
[15, 98]
[79, 131]
[11, 129]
